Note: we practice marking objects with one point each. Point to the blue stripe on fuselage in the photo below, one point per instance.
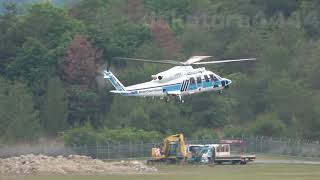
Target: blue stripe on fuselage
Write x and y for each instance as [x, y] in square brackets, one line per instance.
[177, 87]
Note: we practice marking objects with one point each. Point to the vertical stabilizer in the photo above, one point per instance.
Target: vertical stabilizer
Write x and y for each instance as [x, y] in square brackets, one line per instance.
[114, 81]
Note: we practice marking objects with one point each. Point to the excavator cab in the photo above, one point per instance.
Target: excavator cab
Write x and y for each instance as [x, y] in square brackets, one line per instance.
[172, 150]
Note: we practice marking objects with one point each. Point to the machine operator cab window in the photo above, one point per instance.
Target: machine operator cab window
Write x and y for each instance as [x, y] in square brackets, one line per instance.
[173, 146]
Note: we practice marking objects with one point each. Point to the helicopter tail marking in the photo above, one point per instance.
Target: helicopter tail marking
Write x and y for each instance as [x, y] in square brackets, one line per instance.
[114, 81]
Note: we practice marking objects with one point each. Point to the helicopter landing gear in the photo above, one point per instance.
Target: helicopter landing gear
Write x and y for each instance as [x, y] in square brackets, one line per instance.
[180, 99]
[167, 99]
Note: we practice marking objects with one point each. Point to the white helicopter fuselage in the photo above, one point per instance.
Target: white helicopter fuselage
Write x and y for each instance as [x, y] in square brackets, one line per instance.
[177, 81]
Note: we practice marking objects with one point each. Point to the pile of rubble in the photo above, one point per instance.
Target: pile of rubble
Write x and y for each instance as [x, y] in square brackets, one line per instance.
[40, 164]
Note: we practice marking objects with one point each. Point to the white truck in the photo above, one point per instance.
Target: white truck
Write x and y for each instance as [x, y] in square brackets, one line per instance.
[217, 153]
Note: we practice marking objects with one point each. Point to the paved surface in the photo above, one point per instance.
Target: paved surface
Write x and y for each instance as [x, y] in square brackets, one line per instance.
[265, 161]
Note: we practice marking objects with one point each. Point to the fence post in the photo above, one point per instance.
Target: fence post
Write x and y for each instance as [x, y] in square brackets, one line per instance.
[119, 149]
[141, 149]
[85, 150]
[108, 151]
[97, 149]
[261, 144]
[130, 149]
[256, 144]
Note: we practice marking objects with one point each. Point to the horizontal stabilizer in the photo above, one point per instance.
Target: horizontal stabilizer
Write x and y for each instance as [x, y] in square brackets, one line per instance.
[120, 92]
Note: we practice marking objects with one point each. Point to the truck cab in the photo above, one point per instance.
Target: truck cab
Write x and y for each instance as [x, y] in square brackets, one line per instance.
[220, 153]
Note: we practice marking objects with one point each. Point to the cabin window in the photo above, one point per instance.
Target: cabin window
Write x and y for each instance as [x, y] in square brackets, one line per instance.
[192, 81]
[206, 78]
[199, 80]
[213, 78]
[219, 149]
[227, 149]
[194, 149]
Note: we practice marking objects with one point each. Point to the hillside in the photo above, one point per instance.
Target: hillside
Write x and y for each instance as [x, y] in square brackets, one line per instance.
[50, 53]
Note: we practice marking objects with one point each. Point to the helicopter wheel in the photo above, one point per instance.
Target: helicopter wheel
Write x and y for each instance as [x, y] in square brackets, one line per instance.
[180, 99]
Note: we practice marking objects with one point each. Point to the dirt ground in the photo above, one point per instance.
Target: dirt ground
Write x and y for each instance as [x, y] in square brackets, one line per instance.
[33, 167]
[73, 164]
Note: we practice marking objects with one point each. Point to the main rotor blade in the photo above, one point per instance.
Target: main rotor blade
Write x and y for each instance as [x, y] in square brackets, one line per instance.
[152, 61]
[195, 59]
[225, 61]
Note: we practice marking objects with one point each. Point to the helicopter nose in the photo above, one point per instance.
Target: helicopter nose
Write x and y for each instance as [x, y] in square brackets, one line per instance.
[228, 81]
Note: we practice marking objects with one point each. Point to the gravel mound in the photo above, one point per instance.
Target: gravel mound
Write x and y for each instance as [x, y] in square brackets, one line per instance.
[75, 164]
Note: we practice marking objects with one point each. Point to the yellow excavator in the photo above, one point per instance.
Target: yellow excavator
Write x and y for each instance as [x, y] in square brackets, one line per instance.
[172, 150]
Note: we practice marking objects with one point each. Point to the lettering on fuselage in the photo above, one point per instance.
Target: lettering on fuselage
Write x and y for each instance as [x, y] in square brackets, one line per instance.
[178, 75]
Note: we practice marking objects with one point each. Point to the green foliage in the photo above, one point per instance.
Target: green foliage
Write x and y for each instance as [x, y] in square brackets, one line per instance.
[147, 114]
[83, 106]
[234, 132]
[18, 118]
[55, 111]
[207, 134]
[170, 8]
[268, 125]
[126, 37]
[30, 62]
[86, 135]
[83, 135]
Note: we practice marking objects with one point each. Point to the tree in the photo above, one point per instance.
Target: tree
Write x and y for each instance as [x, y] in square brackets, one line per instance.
[18, 118]
[8, 48]
[285, 95]
[168, 8]
[37, 43]
[30, 63]
[134, 9]
[56, 107]
[268, 125]
[81, 62]
[84, 106]
[164, 38]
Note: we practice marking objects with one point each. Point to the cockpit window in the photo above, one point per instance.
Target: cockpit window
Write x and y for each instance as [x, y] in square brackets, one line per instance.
[206, 78]
[213, 78]
[192, 81]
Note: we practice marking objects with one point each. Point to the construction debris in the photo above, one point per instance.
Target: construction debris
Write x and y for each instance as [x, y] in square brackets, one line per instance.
[74, 164]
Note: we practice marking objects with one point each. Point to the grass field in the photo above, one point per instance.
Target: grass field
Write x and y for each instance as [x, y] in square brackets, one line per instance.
[221, 172]
[285, 157]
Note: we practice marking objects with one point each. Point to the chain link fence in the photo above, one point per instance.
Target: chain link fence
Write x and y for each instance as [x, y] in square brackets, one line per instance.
[291, 147]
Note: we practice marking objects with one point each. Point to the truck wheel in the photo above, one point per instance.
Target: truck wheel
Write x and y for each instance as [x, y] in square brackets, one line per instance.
[243, 162]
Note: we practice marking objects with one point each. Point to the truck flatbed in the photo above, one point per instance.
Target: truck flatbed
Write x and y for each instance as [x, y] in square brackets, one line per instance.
[234, 159]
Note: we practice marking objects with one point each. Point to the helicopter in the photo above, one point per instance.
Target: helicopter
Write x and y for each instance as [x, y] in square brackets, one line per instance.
[178, 81]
